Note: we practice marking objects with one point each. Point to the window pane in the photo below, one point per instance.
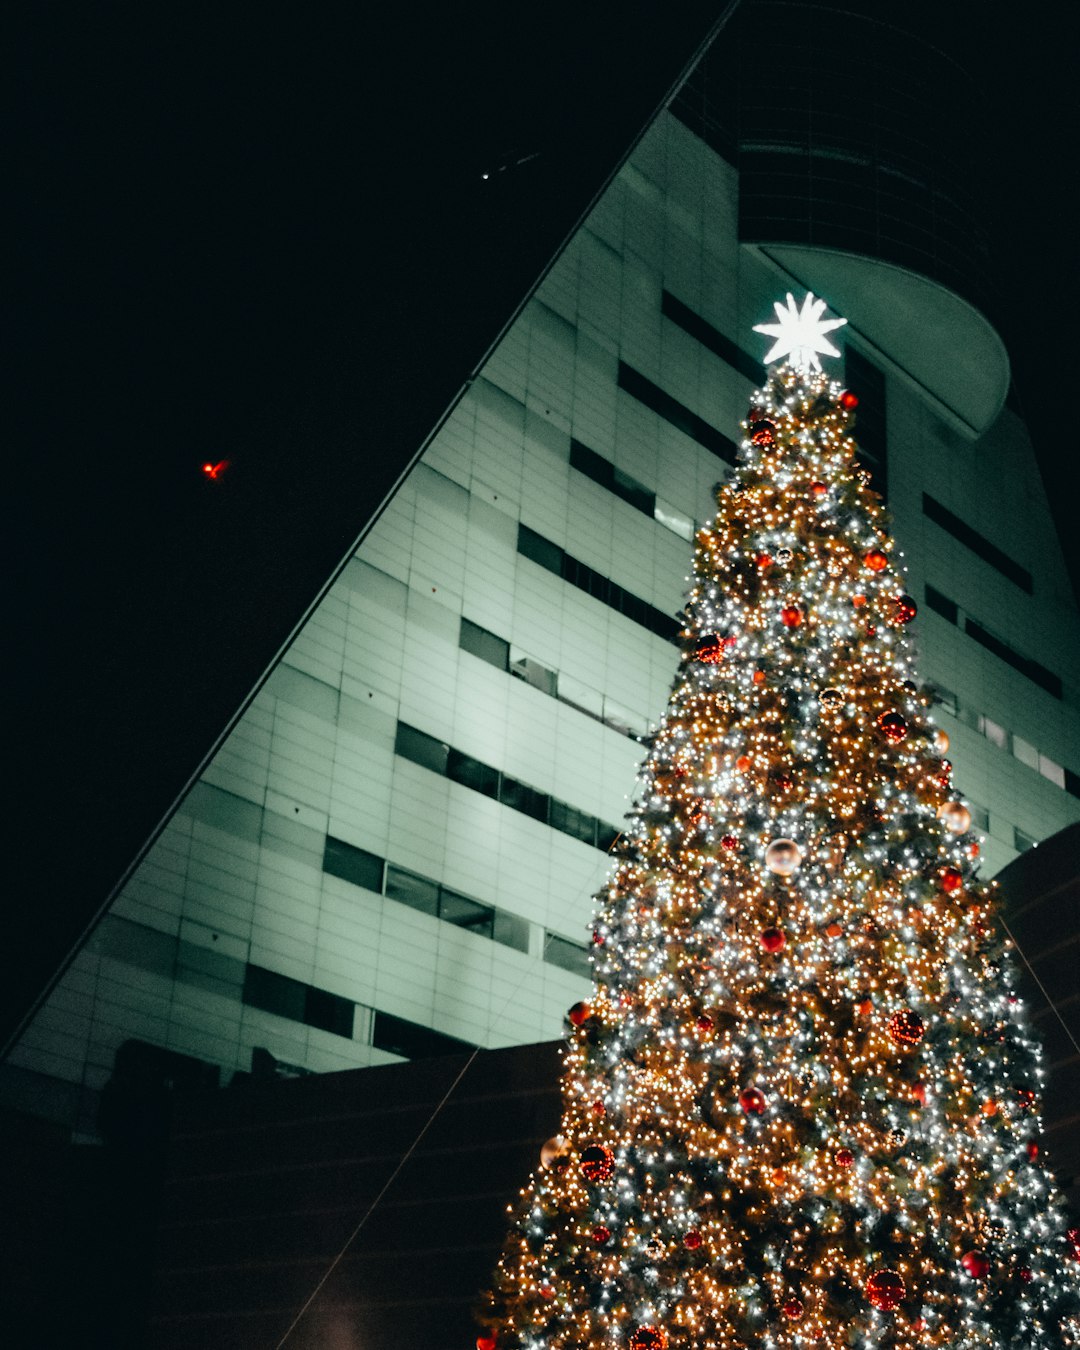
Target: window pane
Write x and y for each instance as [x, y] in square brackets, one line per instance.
[994, 733]
[329, 1012]
[591, 464]
[573, 822]
[400, 1037]
[606, 835]
[673, 520]
[1025, 753]
[942, 604]
[421, 748]
[470, 773]
[521, 797]
[485, 645]
[464, 912]
[945, 698]
[408, 888]
[352, 864]
[1050, 770]
[1022, 841]
[511, 931]
[532, 672]
[540, 550]
[275, 993]
[580, 696]
[567, 955]
[630, 490]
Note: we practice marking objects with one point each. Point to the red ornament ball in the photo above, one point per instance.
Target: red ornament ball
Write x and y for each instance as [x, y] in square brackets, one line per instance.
[752, 1101]
[875, 560]
[977, 1264]
[648, 1338]
[601, 1234]
[1025, 1274]
[893, 727]
[763, 432]
[729, 842]
[885, 1290]
[705, 1023]
[793, 1309]
[485, 1343]
[844, 1157]
[692, 1240]
[709, 650]
[1032, 1150]
[919, 1093]
[849, 400]
[579, 1014]
[597, 1163]
[951, 879]
[773, 939]
[904, 609]
[1072, 1237]
[906, 1027]
[818, 489]
[763, 560]
[791, 616]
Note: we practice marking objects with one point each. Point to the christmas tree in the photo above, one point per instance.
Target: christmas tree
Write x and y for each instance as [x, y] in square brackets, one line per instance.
[801, 1103]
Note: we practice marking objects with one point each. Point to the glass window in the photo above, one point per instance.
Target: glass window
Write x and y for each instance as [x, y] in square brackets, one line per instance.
[630, 490]
[1025, 752]
[521, 797]
[942, 605]
[329, 1012]
[352, 864]
[532, 672]
[464, 912]
[1049, 769]
[567, 955]
[485, 645]
[397, 1036]
[980, 818]
[409, 888]
[511, 931]
[577, 824]
[673, 520]
[470, 773]
[275, 993]
[591, 464]
[1023, 841]
[945, 698]
[606, 836]
[540, 550]
[993, 732]
[421, 748]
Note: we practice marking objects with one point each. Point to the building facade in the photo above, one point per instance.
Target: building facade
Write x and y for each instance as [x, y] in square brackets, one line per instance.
[394, 853]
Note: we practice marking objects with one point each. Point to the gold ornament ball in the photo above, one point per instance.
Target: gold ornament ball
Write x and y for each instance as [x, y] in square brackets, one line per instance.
[554, 1151]
[955, 817]
[783, 857]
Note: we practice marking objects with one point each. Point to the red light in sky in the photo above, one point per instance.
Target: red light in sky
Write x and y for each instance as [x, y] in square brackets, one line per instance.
[215, 470]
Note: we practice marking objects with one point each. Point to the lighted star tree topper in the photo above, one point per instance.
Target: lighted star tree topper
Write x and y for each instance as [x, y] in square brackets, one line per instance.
[801, 1103]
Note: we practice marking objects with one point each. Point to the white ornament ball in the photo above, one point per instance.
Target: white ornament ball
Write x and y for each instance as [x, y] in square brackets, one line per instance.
[783, 857]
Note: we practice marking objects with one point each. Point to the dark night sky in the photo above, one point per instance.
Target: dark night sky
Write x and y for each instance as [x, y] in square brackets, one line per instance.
[240, 230]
